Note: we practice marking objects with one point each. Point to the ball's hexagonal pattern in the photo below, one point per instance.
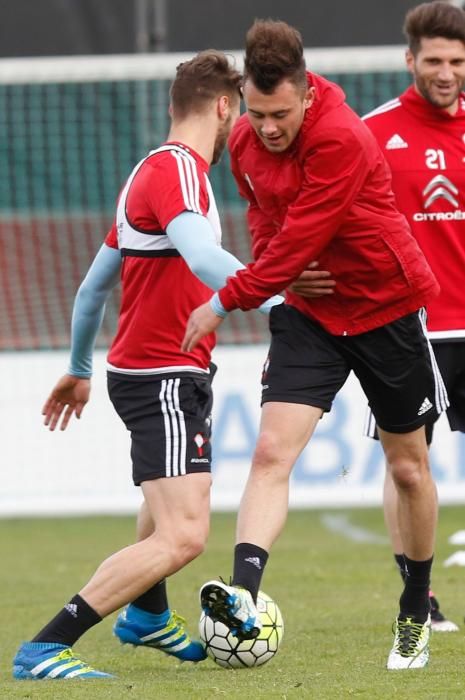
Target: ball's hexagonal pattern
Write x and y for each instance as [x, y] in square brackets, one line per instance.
[228, 651]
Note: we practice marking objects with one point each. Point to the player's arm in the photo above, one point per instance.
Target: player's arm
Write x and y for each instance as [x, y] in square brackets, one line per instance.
[313, 282]
[328, 190]
[332, 180]
[194, 238]
[72, 391]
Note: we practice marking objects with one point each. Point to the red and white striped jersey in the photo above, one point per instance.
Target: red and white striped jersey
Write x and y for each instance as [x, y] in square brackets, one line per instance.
[158, 289]
[425, 148]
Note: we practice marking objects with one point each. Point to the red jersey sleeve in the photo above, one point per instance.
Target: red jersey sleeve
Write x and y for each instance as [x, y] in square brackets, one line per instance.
[111, 239]
[334, 173]
[173, 182]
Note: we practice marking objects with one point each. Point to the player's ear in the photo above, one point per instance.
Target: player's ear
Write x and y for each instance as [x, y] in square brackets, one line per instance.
[223, 107]
[309, 97]
[409, 60]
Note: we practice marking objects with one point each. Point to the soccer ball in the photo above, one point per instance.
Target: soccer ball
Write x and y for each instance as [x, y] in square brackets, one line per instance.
[230, 652]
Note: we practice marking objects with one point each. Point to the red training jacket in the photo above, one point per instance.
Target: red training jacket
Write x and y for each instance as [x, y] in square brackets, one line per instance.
[328, 197]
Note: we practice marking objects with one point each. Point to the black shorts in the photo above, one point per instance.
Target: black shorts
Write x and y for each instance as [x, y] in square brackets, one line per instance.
[169, 418]
[450, 357]
[394, 364]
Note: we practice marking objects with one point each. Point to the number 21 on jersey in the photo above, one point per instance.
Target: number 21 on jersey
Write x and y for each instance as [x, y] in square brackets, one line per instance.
[435, 159]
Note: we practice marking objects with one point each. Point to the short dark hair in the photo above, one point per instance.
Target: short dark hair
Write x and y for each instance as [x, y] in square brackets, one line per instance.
[433, 19]
[273, 53]
[208, 75]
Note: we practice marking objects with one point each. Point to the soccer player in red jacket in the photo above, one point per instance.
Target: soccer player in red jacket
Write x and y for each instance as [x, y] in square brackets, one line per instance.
[421, 134]
[319, 188]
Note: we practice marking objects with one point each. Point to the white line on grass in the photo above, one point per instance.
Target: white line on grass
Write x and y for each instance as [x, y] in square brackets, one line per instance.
[342, 526]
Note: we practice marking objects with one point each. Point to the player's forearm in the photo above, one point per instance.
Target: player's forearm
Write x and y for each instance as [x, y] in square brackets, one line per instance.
[89, 309]
[193, 237]
[88, 313]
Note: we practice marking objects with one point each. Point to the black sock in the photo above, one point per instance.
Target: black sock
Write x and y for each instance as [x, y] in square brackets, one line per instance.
[414, 600]
[400, 561]
[249, 563]
[70, 623]
[154, 600]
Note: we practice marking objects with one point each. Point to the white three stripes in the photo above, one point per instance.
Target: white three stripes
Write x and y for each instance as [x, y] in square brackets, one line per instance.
[440, 394]
[440, 397]
[189, 180]
[175, 428]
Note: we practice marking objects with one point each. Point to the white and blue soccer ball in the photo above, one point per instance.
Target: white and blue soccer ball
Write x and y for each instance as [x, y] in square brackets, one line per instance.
[230, 652]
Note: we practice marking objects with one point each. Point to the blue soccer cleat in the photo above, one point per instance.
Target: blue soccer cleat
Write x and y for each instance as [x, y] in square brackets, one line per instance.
[166, 632]
[48, 661]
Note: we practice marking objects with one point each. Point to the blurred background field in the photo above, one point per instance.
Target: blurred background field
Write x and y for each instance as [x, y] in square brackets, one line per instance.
[338, 597]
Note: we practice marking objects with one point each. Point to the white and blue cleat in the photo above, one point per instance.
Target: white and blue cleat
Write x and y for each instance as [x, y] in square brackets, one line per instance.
[233, 606]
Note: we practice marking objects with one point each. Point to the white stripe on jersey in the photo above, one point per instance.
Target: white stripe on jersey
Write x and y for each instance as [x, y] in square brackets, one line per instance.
[175, 428]
[189, 181]
[157, 370]
[386, 107]
[135, 240]
[457, 334]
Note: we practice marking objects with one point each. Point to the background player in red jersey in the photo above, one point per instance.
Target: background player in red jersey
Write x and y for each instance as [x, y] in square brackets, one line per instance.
[166, 229]
[422, 135]
[318, 188]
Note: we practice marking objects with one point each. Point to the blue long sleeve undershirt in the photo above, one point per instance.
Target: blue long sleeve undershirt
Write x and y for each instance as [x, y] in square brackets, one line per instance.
[194, 238]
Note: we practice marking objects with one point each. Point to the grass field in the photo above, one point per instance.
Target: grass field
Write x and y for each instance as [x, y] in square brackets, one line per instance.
[338, 598]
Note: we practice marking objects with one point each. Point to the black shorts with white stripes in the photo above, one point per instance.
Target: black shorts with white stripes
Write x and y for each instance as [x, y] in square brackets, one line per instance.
[169, 418]
[394, 364]
[450, 357]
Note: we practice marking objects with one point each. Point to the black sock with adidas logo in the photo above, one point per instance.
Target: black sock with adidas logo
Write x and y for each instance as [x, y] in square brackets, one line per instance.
[414, 600]
[70, 623]
[249, 563]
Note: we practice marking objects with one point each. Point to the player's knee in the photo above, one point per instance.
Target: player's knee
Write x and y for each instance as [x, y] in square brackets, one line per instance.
[190, 542]
[409, 475]
[270, 457]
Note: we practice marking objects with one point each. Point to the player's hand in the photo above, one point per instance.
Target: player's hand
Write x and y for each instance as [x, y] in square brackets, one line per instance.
[69, 396]
[202, 321]
[313, 283]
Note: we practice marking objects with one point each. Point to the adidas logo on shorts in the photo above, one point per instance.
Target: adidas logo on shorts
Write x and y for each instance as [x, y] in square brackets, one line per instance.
[425, 406]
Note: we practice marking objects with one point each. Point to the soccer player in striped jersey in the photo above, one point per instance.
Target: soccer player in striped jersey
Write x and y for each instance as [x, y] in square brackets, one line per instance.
[165, 244]
[422, 135]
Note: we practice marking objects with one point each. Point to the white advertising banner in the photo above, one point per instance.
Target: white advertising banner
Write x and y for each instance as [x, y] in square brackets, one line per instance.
[87, 468]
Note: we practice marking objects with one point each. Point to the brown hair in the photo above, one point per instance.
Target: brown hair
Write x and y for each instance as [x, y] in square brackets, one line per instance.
[273, 53]
[433, 19]
[199, 81]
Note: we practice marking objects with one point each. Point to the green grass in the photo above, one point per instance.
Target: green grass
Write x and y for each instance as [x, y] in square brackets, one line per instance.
[338, 599]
